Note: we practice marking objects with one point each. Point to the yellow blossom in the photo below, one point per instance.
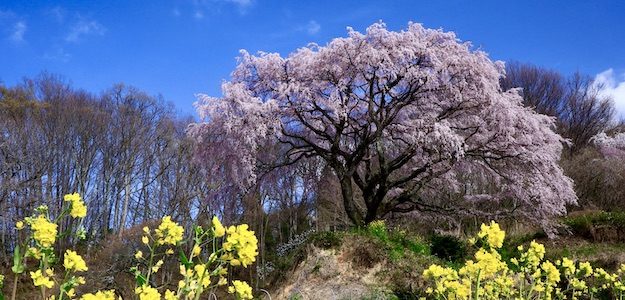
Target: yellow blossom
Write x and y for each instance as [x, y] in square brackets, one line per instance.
[157, 266]
[44, 231]
[494, 235]
[73, 261]
[222, 281]
[168, 232]
[169, 295]
[19, 225]
[145, 240]
[196, 250]
[139, 254]
[100, 295]
[41, 280]
[78, 208]
[243, 243]
[147, 293]
[218, 228]
[242, 289]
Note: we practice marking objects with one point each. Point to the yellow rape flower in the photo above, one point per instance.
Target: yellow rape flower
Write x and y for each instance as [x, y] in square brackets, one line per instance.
[78, 208]
[493, 233]
[147, 293]
[243, 242]
[44, 231]
[169, 295]
[218, 228]
[100, 295]
[157, 266]
[139, 254]
[242, 289]
[551, 272]
[168, 232]
[19, 225]
[568, 266]
[73, 261]
[42, 280]
[196, 250]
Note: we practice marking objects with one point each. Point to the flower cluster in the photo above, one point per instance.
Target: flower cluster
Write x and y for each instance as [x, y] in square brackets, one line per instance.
[100, 295]
[529, 276]
[168, 233]
[44, 231]
[241, 246]
[78, 208]
[242, 289]
[493, 234]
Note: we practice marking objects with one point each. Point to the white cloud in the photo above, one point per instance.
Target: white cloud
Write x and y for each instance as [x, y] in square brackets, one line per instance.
[613, 86]
[84, 28]
[198, 15]
[17, 34]
[313, 27]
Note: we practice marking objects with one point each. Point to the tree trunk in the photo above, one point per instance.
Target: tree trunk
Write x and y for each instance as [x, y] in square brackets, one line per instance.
[347, 192]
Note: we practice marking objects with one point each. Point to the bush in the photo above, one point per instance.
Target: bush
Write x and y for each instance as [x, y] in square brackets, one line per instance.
[584, 223]
[395, 241]
[448, 247]
[327, 240]
[378, 230]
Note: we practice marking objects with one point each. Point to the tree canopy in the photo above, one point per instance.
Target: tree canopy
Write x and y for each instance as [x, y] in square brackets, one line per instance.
[398, 116]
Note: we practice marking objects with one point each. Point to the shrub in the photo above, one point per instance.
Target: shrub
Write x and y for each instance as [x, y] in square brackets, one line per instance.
[395, 241]
[584, 224]
[378, 230]
[203, 269]
[327, 240]
[448, 247]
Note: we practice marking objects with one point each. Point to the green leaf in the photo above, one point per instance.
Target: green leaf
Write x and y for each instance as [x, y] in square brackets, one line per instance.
[184, 260]
[141, 280]
[18, 267]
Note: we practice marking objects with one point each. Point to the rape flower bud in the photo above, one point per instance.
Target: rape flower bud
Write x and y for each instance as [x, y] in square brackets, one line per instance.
[218, 228]
[157, 266]
[196, 250]
[146, 230]
[169, 251]
[145, 240]
[139, 255]
[222, 281]
[19, 225]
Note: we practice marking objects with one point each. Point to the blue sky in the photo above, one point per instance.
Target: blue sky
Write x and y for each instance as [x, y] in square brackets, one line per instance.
[182, 47]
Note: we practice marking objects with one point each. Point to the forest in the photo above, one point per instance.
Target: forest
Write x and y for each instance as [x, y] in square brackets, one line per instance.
[405, 142]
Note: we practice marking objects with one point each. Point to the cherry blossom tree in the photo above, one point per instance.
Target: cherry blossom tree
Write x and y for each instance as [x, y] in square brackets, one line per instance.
[396, 115]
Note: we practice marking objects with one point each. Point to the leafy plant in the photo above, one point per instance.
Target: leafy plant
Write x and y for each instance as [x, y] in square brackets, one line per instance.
[448, 247]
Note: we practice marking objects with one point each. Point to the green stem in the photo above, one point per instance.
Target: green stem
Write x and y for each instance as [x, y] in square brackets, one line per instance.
[477, 285]
[14, 286]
